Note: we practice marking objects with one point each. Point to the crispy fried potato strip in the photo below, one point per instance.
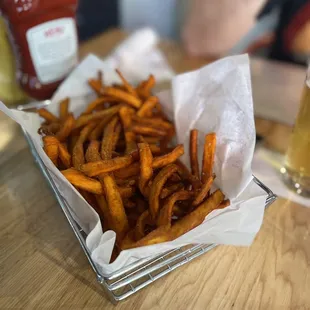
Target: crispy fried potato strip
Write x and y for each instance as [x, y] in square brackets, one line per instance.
[123, 96]
[153, 122]
[118, 217]
[78, 158]
[64, 155]
[169, 190]
[147, 108]
[156, 188]
[126, 114]
[96, 85]
[142, 221]
[165, 214]
[193, 152]
[144, 89]
[196, 217]
[169, 158]
[127, 85]
[104, 166]
[148, 130]
[98, 130]
[208, 156]
[51, 148]
[146, 170]
[81, 181]
[108, 140]
[204, 191]
[85, 119]
[66, 128]
[47, 115]
[64, 108]
[129, 171]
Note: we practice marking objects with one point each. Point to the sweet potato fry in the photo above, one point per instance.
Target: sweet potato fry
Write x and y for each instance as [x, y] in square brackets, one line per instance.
[66, 128]
[116, 208]
[94, 104]
[147, 107]
[153, 122]
[186, 175]
[150, 140]
[197, 216]
[51, 148]
[98, 130]
[64, 155]
[155, 149]
[78, 158]
[118, 218]
[64, 108]
[193, 152]
[116, 138]
[107, 143]
[144, 89]
[148, 131]
[159, 235]
[125, 114]
[169, 190]
[85, 119]
[100, 104]
[104, 166]
[49, 129]
[92, 151]
[157, 186]
[123, 96]
[126, 84]
[169, 158]
[81, 181]
[96, 85]
[165, 214]
[208, 157]
[146, 170]
[126, 191]
[47, 115]
[142, 221]
[130, 171]
[72, 141]
[149, 84]
[204, 191]
[124, 182]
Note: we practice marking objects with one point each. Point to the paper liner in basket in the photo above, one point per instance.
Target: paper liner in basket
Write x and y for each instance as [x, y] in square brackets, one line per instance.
[215, 98]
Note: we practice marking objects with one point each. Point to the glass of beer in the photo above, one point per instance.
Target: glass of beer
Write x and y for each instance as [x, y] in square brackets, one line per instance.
[296, 170]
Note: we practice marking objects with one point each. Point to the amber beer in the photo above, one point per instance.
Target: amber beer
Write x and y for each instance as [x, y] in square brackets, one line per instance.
[297, 161]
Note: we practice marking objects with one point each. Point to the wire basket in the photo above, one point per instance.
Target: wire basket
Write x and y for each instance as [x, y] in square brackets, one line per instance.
[130, 279]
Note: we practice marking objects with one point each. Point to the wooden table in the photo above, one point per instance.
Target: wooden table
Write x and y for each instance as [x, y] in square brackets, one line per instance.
[43, 267]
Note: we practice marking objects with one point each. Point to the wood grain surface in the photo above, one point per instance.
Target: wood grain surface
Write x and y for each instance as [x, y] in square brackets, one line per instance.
[43, 267]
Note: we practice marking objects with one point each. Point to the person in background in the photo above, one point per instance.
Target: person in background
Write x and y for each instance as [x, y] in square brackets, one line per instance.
[278, 29]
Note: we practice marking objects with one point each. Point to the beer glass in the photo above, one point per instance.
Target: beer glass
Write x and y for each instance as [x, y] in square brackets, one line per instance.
[296, 170]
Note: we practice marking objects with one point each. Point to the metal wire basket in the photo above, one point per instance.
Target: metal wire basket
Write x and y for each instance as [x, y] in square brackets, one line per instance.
[130, 279]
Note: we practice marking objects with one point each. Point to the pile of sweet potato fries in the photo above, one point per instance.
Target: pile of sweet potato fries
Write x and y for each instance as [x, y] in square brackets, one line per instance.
[117, 154]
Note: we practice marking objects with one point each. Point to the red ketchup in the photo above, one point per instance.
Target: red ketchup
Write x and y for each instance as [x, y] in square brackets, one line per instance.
[44, 37]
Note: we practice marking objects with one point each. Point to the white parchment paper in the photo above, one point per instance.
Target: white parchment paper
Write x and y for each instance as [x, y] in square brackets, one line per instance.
[215, 98]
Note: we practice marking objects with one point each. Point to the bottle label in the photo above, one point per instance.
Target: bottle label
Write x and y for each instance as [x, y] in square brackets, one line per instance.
[53, 49]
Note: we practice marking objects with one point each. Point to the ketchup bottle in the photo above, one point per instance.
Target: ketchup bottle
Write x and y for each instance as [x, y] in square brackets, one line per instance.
[44, 38]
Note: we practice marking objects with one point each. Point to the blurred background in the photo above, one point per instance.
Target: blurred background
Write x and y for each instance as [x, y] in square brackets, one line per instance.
[277, 29]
